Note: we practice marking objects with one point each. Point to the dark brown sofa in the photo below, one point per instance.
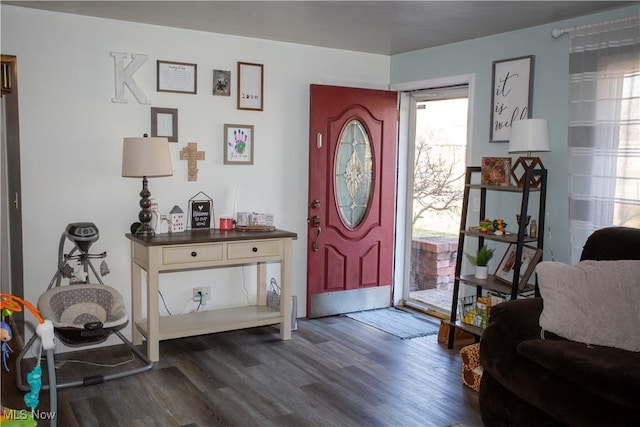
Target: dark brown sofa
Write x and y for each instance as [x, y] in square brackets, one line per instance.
[529, 381]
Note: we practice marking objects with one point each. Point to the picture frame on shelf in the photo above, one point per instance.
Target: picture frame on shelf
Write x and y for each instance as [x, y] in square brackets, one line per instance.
[177, 77]
[511, 94]
[164, 122]
[238, 144]
[495, 171]
[250, 86]
[221, 83]
[530, 257]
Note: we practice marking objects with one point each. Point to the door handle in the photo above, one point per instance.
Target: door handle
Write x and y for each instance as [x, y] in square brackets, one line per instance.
[315, 246]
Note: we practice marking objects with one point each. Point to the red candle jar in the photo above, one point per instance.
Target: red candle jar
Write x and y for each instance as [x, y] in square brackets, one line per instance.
[226, 224]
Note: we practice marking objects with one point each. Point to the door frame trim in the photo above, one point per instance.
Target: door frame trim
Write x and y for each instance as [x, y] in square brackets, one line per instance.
[13, 176]
[406, 137]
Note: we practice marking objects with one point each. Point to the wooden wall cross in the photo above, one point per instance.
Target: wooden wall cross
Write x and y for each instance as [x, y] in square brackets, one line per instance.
[191, 154]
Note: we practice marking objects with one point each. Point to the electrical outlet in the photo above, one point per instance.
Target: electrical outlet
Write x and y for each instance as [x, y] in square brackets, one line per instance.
[203, 291]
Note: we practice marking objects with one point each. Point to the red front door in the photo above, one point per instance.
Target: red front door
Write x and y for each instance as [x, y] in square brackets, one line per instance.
[352, 184]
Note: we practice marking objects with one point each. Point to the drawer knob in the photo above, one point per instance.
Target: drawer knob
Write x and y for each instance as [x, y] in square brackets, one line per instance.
[254, 249]
[194, 254]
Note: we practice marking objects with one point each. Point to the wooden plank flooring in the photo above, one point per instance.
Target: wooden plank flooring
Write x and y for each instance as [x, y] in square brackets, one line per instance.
[334, 372]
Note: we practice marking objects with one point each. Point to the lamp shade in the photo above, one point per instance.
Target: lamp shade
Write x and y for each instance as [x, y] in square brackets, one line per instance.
[529, 135]
[146, 157]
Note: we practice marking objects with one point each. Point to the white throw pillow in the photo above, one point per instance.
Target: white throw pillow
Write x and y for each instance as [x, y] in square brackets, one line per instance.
[594, 302]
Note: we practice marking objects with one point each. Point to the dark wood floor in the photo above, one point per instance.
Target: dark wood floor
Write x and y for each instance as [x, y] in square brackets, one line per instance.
[334, 372]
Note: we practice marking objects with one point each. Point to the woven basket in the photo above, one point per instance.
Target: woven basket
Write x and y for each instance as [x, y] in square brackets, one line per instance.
[255, 228]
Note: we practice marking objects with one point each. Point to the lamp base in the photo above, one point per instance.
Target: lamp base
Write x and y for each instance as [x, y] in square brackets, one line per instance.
[526, 163]
[145, 230]
[145, 214]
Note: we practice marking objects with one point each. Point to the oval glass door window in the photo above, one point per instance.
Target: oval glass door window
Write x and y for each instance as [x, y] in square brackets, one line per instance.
[353, 173]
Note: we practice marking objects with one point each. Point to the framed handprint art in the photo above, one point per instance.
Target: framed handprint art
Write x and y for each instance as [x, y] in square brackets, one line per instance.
[238, 144]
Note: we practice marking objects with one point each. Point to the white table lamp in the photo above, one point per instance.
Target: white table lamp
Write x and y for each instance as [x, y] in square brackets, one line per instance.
[527, 136]
[143, 158]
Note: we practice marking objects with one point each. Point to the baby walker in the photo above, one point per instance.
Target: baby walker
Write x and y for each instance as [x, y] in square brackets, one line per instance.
[82, 313]
[22, 418]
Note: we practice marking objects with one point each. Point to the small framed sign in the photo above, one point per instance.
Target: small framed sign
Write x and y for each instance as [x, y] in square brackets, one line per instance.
[222, 83]
[177, 77]
[530, 258]
[495, 171]
[164, 122]
[200, 211]
[250, 86]
[511, 95]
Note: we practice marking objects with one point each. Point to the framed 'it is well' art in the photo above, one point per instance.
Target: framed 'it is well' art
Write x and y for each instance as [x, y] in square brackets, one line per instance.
[511, 95]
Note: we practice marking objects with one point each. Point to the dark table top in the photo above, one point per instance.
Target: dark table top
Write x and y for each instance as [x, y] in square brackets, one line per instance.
[208, 236]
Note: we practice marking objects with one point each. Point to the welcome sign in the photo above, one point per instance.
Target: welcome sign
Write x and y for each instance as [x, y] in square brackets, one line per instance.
[201, 214]
[200, 211]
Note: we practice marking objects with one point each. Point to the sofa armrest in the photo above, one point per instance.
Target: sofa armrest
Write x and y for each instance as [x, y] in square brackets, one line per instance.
[521, 314]
[510, 323]
[611, 373]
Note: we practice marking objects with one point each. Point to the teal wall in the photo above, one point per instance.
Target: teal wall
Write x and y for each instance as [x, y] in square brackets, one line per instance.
[550, 100]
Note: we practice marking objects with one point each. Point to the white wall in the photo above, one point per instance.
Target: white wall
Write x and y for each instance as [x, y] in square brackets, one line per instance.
[71, 137]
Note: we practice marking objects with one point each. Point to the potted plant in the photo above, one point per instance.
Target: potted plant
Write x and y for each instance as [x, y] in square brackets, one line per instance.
[481, 261]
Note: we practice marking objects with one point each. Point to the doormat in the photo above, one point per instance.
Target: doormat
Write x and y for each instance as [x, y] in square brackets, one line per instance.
[401, 323]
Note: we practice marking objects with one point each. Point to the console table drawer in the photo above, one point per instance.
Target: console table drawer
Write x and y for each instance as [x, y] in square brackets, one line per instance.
[191, 254]
[257, 249]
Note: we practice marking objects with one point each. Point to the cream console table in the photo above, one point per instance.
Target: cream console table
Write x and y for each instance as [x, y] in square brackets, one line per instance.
[199, 249]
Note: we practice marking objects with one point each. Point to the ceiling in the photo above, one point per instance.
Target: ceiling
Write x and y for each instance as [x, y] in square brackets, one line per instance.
[381, 27]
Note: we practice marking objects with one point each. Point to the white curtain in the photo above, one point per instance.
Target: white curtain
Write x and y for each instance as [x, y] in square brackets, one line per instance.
[604, 128]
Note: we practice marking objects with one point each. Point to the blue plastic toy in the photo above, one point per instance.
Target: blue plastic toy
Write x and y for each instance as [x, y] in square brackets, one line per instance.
[5, 336]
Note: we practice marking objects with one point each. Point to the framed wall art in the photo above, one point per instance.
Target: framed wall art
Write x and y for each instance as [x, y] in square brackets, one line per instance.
[250, 86]
[221, 83]
[511, 94]
[530, 257]
[178, 77]
[164, 122]
[495, 171]
[238, 144]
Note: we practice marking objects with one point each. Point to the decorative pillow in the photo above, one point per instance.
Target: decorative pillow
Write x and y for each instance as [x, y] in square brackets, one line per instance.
[593, 302]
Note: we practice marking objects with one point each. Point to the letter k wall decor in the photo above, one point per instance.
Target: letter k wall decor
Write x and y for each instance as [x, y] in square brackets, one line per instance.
[123, 75]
